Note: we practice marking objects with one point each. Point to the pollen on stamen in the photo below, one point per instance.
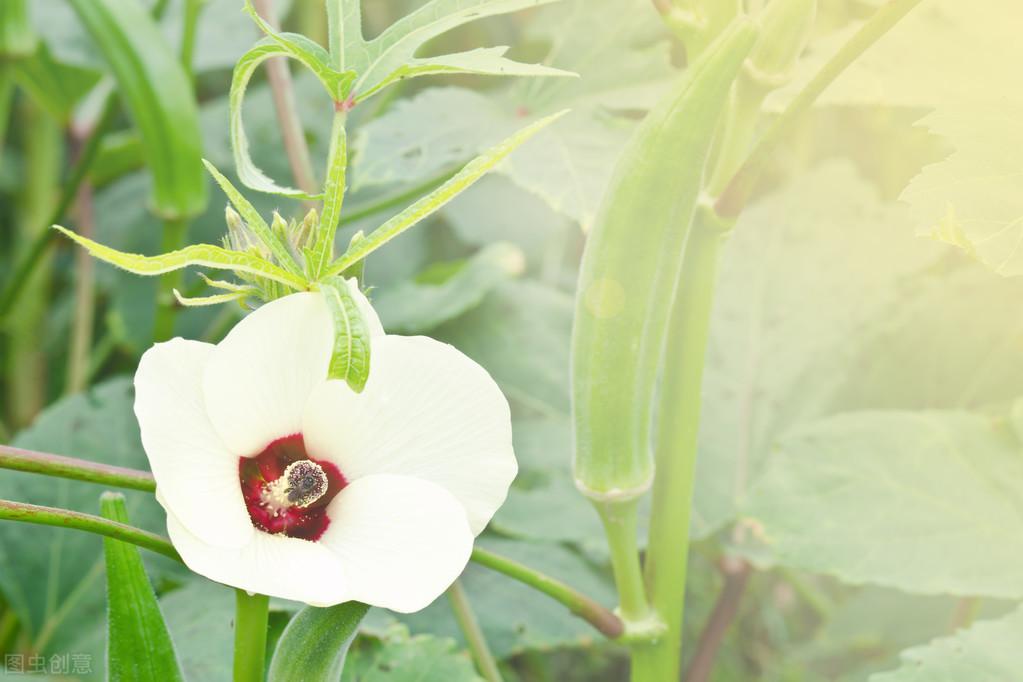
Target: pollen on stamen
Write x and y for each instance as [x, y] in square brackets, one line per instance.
[302, 483]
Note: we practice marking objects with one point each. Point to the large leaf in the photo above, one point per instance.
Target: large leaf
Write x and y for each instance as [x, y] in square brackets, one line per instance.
[56, 588]
[623, 66]
[801, 275]
[397, 657]
[927, 502]
[520, 334]
[988, 651]
[138, 646]
[446, 290]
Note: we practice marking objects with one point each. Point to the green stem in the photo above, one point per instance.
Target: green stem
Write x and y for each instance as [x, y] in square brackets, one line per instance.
[250, 625]
[676, 439]
[620, 520]
[65, 518]
[470, 627]
[175, 235]
[191, 22]
[586, 608]
[45, 238]
[75, 469]
[335, 34]
[85, 285]
[735, 196]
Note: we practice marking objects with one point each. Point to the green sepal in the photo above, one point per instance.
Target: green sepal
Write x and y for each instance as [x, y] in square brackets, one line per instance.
[205, 255]
[435, 200]
[350, 358]
[139, 646]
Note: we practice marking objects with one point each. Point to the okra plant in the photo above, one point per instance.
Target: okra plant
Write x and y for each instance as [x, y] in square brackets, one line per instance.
[700, 362]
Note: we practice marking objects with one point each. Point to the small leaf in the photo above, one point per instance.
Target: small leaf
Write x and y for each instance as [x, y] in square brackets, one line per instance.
[159, 96]
[254, 221]
[350, 359]
[313, 646]
[139, 646]
[206, 255]
[312, 56]
[436, 199]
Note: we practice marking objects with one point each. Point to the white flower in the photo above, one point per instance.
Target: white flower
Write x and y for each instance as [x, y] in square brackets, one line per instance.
[278, 481]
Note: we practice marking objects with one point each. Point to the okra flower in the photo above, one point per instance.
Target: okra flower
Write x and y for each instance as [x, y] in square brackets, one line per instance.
[279, 481]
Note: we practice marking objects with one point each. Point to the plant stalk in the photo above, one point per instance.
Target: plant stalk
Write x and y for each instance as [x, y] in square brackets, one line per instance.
[175, 235]
[737, 573]
[678, 420]
[474, 636]
[76, 469]
[85, 290]
[250, 625]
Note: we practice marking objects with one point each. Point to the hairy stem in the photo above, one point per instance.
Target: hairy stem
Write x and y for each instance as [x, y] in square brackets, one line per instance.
[288, 118]
[675, 450]
[737, 573]
[470, 627]
[250, 625]
[742, 184]
[75, 469]
[65, 518]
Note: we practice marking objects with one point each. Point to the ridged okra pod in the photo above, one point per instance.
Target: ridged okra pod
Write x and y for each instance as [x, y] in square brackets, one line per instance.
[629, 270]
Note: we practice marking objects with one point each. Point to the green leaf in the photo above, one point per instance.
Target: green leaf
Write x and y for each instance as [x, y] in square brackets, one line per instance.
[391, 55]
[206, 255]
[350, 358]
[397, 657]
[216, 299]
[17, 39]
[255, 222]
[436, 199]
[805, 272]
[520, 334]
[988, 651]
[53, 578]
[139, 646]
[312, 56]
[200, 616]
[446, 290]
[314, 645]
[927, 502]
[159, 96]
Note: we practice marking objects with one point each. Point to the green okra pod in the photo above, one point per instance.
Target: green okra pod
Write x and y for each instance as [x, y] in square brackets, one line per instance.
[629, 269]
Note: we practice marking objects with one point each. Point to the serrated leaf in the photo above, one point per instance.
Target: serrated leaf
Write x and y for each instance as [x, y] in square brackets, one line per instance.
[350, 358]
[436, 199]
[139, 646]
[376, 61]
[927, 502]
[988, 651]
[446, 290]
[254, 221]
[166, 116]
[205, 255]
[397, 657]
[312, 56]
[216, 299]
[315, 643]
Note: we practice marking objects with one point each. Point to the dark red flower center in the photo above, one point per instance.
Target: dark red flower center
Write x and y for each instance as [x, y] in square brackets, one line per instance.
[286, 491]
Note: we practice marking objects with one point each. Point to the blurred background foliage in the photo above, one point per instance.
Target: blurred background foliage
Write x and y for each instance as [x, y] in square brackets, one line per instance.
[855, 370]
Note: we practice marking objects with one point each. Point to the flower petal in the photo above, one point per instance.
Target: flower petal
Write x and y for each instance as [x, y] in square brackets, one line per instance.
[402, 540]
[427, 411]
[276, 565]
[259, 377]
[196, 474]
